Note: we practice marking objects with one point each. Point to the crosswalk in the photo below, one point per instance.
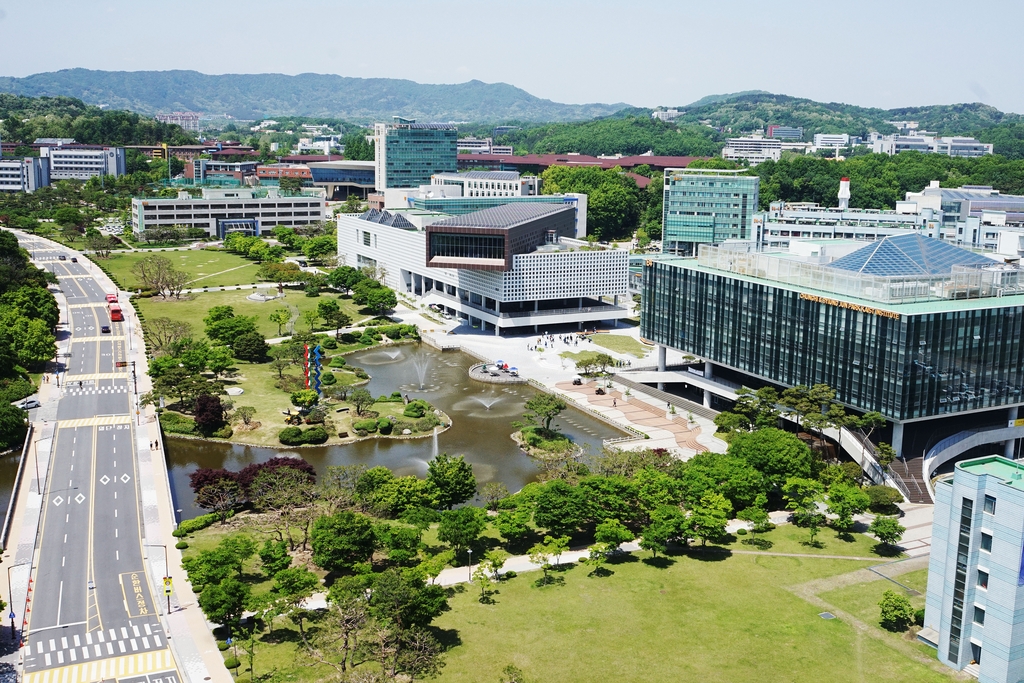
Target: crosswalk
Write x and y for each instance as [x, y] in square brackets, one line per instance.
[56, 651]
[105, 669]
[75, 391]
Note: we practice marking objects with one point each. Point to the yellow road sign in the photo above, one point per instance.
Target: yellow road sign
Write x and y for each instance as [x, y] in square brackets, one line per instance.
[167, 585]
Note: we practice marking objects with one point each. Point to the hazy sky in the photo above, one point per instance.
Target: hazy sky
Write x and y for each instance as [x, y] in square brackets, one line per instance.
[643, 52]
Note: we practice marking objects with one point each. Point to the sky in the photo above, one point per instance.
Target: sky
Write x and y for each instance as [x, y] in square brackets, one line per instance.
[641, 52]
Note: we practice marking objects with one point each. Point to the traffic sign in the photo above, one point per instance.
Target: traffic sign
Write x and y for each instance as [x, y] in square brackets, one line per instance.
[167, 585]
[121, 364]
[11, 615]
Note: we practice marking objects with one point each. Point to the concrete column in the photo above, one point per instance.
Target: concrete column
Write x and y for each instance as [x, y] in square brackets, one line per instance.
[709, 370]
[707, 398]
[662, 355]
[615, 299]
[581, 303]
[497, 330]
[536, 306]
[1008, 446]
[897, 439]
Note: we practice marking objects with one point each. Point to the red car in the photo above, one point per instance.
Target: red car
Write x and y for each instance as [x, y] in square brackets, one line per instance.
[111, 298]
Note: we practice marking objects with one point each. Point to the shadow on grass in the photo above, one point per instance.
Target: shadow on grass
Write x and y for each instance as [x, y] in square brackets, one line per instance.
[600, 573]
[447, 637]
[816, 544]
[549, 580]
[622, 557]
[662, 562]
[710, 553]
[886, 550]
[759, 543]
[563, 567]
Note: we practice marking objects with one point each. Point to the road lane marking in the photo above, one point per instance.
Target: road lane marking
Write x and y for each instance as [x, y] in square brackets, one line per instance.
[95, 421]
[140, 664]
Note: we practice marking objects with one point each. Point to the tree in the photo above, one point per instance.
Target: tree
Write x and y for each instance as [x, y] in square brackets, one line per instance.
[461, 528]
[361, 399]
[540, 554]
[513, 525]
[320, 248]
[345, 278]
[613, 533]
[310, 317]
[559, 507]
[380, 300]
[655, 537]
[886, 455]
[224, 327]
[802, 497]
[295, 585]
[274, 557]
[224, 603]
[453, 478]
[709, 519]
[597, 556]
[250, 346]
[342, 540]
[280, 317]
[492, 492]
[222, 496]
[402, 542]
[165, 332]
[288, 493]
[887, 530]
[12, 426]
[218, 360]
[68, 216]
[305, 398]
[245, 414]
[778, 455]
[404, 600]
[330, 311]
[845, 501]
[896, 611]
[209, 414]
[546, 407]
[732, 476]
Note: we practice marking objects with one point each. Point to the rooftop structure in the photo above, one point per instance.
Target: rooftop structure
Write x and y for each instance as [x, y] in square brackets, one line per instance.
[539, 162]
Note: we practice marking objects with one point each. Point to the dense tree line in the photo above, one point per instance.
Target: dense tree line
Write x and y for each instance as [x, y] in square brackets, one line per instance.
[28, 317]
[28, 118]
[630, 135]
[616, 207]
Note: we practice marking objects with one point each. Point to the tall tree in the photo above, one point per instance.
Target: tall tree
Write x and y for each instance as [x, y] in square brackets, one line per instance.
[453, 478]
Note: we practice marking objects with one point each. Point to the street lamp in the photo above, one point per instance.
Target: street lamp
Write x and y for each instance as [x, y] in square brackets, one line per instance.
[10, 594]
[470, 565]
[167, 573]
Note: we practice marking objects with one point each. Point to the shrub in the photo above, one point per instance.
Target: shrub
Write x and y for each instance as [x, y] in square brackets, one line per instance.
[360, 373]
[919, 617]
[741, 532]
[177, 424]
[400, 426]
[425, 424]
[232, 663]
[396, 395]
[315, 435]
[337, 362]
[316, 416]
[243, 679]
[181, 545]
[327, 379]
[384, 425]
[368, 426]
[190, 526]
[896, 611]
[290, 436]
[883, 499]
[329, 343]
[510, 574]
[367, 339]
[224, 432]
[222, 646]
[349, 338]
[417, 408]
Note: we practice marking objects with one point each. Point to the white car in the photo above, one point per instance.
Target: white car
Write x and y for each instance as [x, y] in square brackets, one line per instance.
[29, 404]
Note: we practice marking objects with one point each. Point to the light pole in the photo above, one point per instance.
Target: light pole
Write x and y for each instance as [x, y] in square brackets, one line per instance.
[470, 565]
[10, 594]
[166, 572]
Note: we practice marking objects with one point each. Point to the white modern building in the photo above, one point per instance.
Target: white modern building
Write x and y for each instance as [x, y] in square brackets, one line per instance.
[667, 115]
[220, 211]
[72, 162]
[24, 175]
[753, 149]
[954, 146]
[485, 183]
[831, 140]
[510, 267]
[974, 610]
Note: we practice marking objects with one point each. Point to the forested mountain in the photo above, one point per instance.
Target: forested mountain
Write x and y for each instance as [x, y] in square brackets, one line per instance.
[744, 112]
[27, 118]
[251, 96]
[632, 135]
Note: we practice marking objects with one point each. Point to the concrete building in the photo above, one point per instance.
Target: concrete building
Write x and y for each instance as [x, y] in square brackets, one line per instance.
[482, 183]
[929, 144]
[81, 162]
[785, 132]
[831, 140]
[408, 153]
[24, 175]
[188, 120]
[511, 267]
[753, 149]
[974, 613]
[220, 211]
[667, 115]
[339, 178]
[706, 206]
[208, 171]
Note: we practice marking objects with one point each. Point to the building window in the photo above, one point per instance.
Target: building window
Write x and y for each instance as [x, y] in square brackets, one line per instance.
[979, 616]
[986, 542]
[982, 579]
[366, 238]
[990, 505]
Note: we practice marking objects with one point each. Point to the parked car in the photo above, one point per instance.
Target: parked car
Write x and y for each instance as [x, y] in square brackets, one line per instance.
[105, 329]
[29, 404]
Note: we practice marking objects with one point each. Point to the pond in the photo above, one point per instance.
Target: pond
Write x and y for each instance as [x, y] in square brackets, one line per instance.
[481, 414]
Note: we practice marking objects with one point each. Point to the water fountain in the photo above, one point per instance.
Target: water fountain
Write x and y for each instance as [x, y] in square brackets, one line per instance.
[435, 450]
[487, 402]
[393, 353]
[422, 365]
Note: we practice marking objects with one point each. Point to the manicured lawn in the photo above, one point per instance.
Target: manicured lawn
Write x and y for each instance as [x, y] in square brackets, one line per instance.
[621, 344]
[207, 268]
[861, 600]
[789, 538]
[694, 620]
[194, 307]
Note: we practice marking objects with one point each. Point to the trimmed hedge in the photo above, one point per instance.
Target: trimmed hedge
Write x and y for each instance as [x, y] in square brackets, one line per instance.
[337, 362]
[177, 424]
[328, 378]
[293, 436]
[190, 526]
[365, 425]
[384, 425]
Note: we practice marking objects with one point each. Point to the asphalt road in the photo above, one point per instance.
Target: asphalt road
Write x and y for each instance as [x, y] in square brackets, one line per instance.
[91, 596]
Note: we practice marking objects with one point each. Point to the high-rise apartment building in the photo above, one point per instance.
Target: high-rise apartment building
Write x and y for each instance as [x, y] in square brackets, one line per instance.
[408, 153]
[974, 612]
[707, 206]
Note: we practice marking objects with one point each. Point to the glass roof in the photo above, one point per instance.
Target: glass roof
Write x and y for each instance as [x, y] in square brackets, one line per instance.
[908, 255]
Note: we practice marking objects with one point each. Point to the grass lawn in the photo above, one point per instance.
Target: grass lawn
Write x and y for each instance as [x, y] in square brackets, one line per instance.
[621, 344]
[207, 268]
[789, 538]
[861, 600]
[692, 620]
[194, 307]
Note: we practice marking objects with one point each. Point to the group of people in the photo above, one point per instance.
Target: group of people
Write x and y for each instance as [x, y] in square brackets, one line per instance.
[548, 340]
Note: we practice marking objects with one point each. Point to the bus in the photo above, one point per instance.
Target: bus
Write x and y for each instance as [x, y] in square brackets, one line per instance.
[115, 313]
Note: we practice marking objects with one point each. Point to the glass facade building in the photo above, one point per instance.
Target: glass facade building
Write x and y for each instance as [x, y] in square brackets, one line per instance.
[408, 153]
[909, 359]
[707, 206]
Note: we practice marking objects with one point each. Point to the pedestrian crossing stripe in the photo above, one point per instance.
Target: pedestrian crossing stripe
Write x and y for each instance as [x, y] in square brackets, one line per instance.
[102, 304]
[95, 421]
[104, 669]
[98, 390]
[74, 277]
[75, 377]
[78, 340]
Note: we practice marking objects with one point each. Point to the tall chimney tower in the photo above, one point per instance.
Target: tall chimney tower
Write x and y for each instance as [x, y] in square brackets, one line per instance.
[844, 193]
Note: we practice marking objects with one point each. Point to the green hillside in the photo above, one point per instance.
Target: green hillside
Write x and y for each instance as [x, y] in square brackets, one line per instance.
[631, 135]
[251, 96]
